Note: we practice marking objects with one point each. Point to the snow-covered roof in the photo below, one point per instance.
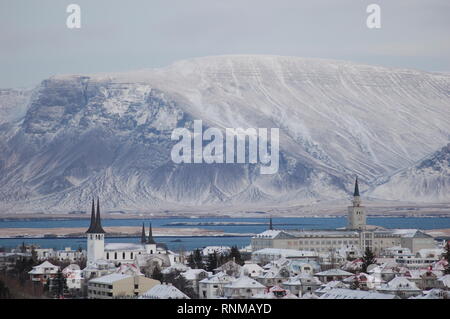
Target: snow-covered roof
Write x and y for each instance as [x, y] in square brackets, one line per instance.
[244, 282]
[123, 246]
[219, 278]
[410, 233]
[445, 280]
[400, 283]
[432, 294]
[334, 272]
[341, 293]
[175, 267]
[129, 269]
[252, 268]
[270, 233]
[109, 279]
[45, 268]
[163, 292]
[272, 294]
[71, 268]
[193, 274]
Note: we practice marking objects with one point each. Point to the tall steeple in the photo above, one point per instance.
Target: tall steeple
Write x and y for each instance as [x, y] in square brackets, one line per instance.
[356, 198]
[92, 225]
[96, 223]
[150, 236]
[143, 237]
[356, 192]
[270, 224]
[96, 236]
[356, 212]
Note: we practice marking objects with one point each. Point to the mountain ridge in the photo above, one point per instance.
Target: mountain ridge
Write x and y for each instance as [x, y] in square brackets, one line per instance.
[336, 120]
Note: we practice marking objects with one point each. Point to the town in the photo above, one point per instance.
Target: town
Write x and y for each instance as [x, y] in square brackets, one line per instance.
[359, 261]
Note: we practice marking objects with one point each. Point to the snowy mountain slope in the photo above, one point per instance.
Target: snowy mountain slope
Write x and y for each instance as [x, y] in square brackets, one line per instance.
[13, 103]
[109, 134]
[428, 180]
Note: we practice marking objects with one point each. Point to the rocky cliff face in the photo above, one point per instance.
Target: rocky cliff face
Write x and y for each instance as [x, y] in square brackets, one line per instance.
[109, 135]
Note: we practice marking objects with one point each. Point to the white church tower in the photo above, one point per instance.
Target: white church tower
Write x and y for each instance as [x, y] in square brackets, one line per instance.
[356, 212]
[95, 236]
[150, 244]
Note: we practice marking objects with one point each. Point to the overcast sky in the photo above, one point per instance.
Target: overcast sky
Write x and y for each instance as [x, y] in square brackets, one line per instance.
[124, 35]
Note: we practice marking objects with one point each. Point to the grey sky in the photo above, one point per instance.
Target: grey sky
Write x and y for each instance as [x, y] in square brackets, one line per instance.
[134, 34]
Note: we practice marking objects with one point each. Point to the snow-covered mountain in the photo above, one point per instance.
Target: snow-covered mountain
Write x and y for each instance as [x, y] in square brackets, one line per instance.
[13, 104]
[428, 180]
[108, 135]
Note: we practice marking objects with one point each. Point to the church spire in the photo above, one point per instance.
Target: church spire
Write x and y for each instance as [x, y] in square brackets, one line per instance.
[92, 225]
[98, 221]
[143, 237]
[150, 236]
[356, 192]
[270, 223]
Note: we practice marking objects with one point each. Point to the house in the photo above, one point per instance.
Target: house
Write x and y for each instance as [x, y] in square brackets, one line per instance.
[67, 254]
[401, 287]
[274, 276]
[302, 284]
[129, 269]
[339, 293]
[433, 294]
[213, 287]
[425, 279]
[230, 268]
[329, 286]
[387, 272]
[252, 270]
[119, 286]
[163, 292]
[193, 277]
[243, 288]
[364, 281]
[73, 275]
[43, 272]
[98, 268]
[263, 256]
[332, 275]
[45, 253]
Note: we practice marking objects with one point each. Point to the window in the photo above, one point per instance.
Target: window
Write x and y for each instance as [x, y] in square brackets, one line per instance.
[136, 286]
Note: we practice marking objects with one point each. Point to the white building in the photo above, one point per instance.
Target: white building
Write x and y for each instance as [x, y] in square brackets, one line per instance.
[213, 287]
[265, 255]
[401, 287]
[357, 234]
[243, 288]
[119, 286]
[43, 272]
[74, 277]
[302, 284]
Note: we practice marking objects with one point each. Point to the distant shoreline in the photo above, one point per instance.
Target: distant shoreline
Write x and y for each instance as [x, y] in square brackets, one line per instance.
[135, 217]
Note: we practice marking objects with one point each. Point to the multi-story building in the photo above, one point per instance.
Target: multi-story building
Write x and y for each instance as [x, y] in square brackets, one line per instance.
[119, 286]
[357, 234]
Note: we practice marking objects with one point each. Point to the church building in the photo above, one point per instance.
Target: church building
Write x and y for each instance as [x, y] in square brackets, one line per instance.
[118, 253]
